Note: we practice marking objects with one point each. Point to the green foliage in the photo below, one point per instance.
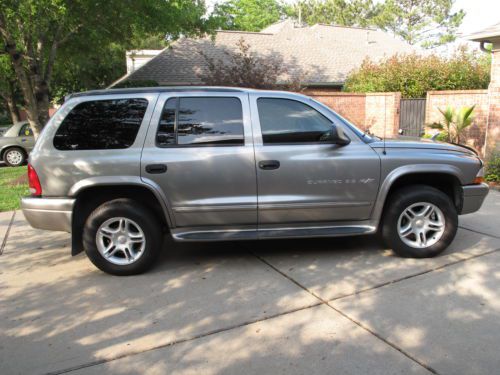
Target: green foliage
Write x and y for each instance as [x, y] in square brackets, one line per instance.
[10, 96]
[73, 36]
[337, 12]
[13, 186]
[446, 127]
[493, 168]
[455, 123]
[247, 15]
[413, 75]
[441, 137]
[426, 22]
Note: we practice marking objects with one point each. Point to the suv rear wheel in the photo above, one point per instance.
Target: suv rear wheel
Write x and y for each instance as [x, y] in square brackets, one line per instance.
[14, 157]
[122, 237]
[420, 222]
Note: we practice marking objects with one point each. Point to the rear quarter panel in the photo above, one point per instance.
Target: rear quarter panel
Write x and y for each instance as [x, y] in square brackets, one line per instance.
[63, 173]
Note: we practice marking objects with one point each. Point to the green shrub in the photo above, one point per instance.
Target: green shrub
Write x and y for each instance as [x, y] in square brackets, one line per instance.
[413, 75]
[493, 168]
[442, 137]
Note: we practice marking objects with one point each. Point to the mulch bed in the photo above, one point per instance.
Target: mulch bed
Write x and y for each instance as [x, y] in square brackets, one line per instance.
[21, 180]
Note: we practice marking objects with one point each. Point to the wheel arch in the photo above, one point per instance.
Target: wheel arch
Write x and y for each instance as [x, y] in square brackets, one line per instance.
[446, 178]
[89, 195]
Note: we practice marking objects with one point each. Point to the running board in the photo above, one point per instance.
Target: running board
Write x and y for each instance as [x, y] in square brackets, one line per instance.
[268, 233]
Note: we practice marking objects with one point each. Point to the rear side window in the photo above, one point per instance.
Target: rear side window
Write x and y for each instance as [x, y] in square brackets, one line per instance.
[289, 121]
[25, 131]
[203, 121]
[101, 125]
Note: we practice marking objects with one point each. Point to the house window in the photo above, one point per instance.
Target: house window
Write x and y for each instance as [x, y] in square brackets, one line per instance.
[207, 121]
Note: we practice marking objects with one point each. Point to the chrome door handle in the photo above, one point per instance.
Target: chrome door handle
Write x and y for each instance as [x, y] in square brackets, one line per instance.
[269, 164]
[156, 168]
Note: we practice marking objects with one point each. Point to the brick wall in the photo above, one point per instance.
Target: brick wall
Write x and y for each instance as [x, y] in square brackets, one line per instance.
[456, 99]
[382, 113]
[351, 106]
[367, 111]
[24, 116]
[493, 133]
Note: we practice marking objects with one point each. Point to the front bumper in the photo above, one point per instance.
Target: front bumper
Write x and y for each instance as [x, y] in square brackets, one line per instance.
[48, 213]
[473, 197]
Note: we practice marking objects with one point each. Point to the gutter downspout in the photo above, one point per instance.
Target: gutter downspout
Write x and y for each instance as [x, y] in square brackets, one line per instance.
[482, 47]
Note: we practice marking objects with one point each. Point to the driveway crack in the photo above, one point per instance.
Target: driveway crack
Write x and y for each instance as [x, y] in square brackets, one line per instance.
[4, 242]
[478, 232]
[359, 324]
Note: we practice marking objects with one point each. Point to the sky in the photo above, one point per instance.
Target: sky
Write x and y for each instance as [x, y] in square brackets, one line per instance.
[479, 14]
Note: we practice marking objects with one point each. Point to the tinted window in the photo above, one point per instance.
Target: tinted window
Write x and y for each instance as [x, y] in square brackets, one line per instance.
[290, 121]
[202, 121]
[165, 135]
[101, 124]
[25, 131]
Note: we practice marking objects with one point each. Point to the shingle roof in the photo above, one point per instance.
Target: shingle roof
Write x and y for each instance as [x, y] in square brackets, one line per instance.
[325, 54]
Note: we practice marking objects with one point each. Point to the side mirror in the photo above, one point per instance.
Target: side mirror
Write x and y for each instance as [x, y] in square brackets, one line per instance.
[338, 137]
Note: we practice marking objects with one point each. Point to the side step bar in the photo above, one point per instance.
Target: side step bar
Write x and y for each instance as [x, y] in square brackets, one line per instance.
[181, 234]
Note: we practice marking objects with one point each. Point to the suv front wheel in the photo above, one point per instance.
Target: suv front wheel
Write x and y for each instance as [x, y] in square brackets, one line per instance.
[420, 222]
[122, 237]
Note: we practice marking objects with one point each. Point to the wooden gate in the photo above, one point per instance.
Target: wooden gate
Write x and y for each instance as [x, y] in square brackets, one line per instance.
[412, 117]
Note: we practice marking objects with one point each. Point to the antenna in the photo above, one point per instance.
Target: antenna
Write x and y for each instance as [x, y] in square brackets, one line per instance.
[385, 122]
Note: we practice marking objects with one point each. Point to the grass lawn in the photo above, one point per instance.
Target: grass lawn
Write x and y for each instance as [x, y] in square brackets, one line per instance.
[13, 185]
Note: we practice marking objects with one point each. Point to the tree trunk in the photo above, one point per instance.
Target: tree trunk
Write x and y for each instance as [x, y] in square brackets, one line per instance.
[10, 98]
[33, 79]
[43, 103]
[25, 82]
[13, 110]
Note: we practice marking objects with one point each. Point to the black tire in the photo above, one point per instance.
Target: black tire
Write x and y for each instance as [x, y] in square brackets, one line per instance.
[404, 198]
[19, 151]
[142, 216]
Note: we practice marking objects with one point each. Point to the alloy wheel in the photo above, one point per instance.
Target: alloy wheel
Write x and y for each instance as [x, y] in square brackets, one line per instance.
[421, 225]
[120, 241]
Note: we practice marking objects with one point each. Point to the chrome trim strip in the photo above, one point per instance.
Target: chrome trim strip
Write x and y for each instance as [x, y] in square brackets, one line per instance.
[280, 206]
[290, 232]
[189, 209]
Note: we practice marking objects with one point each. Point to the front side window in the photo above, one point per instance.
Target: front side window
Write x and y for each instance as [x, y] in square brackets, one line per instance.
[290, 121]
[101, 125]
[201, 121]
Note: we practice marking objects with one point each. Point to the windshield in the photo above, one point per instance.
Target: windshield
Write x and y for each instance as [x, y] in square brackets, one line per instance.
[365, 136]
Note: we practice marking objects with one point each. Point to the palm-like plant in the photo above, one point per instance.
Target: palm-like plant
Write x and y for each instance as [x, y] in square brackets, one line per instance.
[463, 119]
[454, 122]
[446, 127]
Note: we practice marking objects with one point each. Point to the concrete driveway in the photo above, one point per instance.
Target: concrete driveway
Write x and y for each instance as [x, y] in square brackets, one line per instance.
[329, 306]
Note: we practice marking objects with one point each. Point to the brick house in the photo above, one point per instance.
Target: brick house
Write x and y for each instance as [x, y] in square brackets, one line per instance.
[323, 54]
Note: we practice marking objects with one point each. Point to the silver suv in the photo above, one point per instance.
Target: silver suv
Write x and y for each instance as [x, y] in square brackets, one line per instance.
[119, 168]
